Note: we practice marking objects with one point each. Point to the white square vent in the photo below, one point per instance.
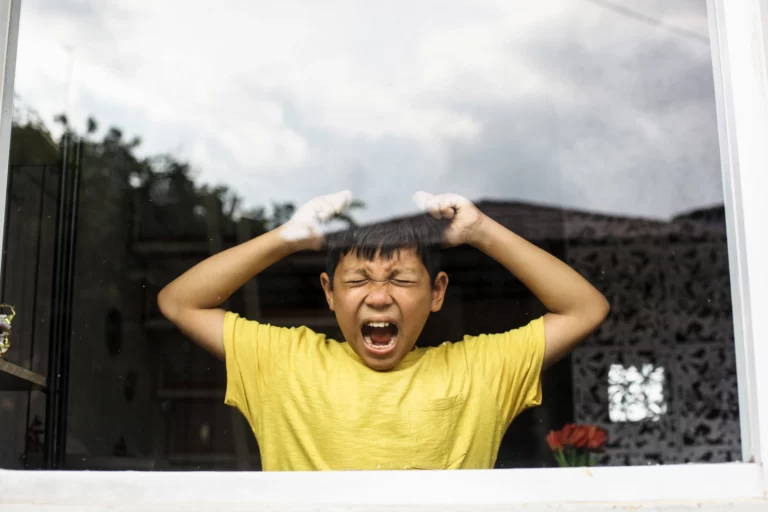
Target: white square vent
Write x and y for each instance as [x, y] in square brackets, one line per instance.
[636, 394]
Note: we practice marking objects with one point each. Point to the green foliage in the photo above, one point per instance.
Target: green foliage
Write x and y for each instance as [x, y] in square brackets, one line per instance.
[156, 194]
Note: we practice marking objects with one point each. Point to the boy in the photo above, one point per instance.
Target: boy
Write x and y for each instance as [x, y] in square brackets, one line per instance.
[375, 401]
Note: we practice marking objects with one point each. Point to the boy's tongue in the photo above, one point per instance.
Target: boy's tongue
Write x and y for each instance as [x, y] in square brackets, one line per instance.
[380, 335]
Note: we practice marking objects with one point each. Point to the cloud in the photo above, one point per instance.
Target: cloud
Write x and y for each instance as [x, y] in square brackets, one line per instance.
[559, 102]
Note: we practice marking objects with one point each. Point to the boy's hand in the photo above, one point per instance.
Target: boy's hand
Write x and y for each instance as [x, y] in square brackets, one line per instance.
[304, 228]
[465, 217]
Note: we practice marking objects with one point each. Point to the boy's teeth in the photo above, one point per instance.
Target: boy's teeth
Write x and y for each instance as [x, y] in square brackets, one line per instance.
[377, 324]
[372, 344]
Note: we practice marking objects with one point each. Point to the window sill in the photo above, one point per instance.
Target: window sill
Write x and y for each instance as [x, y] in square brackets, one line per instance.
[688, 486]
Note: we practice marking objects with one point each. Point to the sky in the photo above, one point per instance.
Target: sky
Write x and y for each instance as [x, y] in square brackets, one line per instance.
[605, 106]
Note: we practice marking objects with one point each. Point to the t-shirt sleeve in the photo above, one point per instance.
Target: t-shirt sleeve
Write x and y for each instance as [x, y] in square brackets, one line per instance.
[510, 363]
[250, 350]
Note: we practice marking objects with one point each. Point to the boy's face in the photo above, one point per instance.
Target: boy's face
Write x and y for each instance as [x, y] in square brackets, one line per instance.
[382, 305]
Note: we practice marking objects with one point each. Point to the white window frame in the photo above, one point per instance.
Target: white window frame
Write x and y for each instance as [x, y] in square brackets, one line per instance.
[9, 36]
[738, 31]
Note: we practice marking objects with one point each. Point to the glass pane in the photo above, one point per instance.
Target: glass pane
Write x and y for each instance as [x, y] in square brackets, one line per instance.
[175, 130]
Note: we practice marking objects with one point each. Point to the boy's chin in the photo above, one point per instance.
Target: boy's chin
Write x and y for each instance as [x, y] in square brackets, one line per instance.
[381, 365]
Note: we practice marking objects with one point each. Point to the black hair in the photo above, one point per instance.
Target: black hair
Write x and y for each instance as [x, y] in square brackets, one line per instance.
[422, 233]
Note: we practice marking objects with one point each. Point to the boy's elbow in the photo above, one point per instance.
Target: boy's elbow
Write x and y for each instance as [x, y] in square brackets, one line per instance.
[167, 304]
[601, 310]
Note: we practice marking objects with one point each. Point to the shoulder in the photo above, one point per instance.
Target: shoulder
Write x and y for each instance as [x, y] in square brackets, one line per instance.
[533, 331]
[239, 328]
[479, 348]
[446, 353]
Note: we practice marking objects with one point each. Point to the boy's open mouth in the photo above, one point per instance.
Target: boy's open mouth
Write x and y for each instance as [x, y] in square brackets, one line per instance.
[380, 337]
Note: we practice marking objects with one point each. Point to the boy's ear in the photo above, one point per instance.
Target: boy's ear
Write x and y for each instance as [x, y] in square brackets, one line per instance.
[438, 291]
[325, 281]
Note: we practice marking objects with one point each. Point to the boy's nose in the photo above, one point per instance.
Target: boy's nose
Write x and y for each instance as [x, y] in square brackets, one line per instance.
[379, 297]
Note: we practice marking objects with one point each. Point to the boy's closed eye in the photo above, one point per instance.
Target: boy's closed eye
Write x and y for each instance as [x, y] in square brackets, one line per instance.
[395, 281]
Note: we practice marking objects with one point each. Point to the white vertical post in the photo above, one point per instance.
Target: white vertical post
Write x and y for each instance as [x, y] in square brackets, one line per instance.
[741, 84]
[9, 36]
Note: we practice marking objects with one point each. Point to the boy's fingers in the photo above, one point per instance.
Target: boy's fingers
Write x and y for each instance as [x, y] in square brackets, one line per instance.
[433, 207]
[455, 200]
[448, 204]
[428, 203]
[326, 207]
[421, 199]
[440, 207]
[308, 220]
[340, 200]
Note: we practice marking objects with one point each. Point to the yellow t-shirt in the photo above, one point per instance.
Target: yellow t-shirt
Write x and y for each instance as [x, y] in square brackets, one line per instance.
[313, 405]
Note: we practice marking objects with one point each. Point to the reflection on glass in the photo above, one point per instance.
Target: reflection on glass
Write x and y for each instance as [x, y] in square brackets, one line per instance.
[586, 128]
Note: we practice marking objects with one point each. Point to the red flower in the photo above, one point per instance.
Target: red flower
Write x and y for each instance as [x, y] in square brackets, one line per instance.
[574, 444]
[555, 440]
[575, 435]
[595, 438]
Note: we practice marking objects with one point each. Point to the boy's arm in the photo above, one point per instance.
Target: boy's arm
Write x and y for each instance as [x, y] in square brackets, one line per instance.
[576, 308]
[192, 300]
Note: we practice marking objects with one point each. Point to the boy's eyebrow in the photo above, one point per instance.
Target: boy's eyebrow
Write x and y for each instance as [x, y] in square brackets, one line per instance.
[356, 270]
[404, 270]
[394, 271]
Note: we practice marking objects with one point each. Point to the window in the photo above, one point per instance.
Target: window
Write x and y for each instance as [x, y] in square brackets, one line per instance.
[607, 149]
